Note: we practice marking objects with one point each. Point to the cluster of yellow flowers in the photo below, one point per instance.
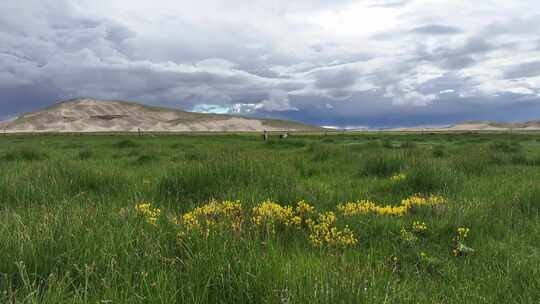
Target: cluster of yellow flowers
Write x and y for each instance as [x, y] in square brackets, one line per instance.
[205, 218]
[418, 200]
[304, 209]
[462, 249]
[322, 227]
[398, 177]
[366, 206]
[419, 226]
[271, 215]
[463, 232]
[148, 212]
[324, 232]
[357, 208]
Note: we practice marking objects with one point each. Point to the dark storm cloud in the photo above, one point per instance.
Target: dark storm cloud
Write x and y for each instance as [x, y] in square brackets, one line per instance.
[459, 57]
[383, 113]
[435, 29]
[28, 98]
[448, 82]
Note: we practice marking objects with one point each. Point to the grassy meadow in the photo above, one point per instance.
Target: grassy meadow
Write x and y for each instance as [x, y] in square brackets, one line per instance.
[342, 218]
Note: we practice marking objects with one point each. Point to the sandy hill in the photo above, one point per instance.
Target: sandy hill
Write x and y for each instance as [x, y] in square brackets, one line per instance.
[480, 126]
[496, 126]
[91, 115]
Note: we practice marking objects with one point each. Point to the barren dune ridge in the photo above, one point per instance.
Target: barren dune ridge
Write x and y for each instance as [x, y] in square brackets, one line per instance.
[92, 115]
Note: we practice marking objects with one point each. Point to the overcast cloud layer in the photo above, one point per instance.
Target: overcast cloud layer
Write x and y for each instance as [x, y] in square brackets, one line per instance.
[345, 63]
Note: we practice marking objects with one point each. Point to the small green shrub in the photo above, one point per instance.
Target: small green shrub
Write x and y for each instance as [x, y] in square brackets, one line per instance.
[427, 178]
[85, 154]
[535, 161]
[507, 147]
[146, 158]
[438, 151]
[519, 159]
[387, 144]
[382, 166]
[409, 145]
[126, 143]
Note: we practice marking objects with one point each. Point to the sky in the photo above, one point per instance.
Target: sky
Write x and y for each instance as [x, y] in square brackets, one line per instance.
[365, 63]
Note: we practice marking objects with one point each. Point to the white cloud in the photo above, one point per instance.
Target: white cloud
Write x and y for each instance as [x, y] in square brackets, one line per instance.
[278, 101]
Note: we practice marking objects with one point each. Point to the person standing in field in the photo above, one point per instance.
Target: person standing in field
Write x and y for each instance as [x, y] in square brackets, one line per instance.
[265, 135]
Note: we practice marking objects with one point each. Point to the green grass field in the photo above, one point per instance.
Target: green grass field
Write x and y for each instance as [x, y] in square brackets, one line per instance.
[70, 231]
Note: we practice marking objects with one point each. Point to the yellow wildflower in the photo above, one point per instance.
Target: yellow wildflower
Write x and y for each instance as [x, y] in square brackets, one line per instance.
[391, 210]
[398, 177]
[461, 249]
[357, 208]
[271, 214]
[463, 232]
[324, 232]
[365, 207]
[205, 218]
[303, 208]
[419, 226]
[148, 212]
[418, 200]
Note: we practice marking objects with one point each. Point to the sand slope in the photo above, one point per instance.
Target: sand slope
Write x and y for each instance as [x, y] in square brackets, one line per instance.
[478, 126]
[91, 115]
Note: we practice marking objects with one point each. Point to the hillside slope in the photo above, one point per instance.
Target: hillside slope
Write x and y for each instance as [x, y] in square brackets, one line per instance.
[92, 115]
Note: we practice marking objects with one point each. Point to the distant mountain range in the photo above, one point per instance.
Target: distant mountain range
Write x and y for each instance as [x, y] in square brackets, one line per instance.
[92, 115]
